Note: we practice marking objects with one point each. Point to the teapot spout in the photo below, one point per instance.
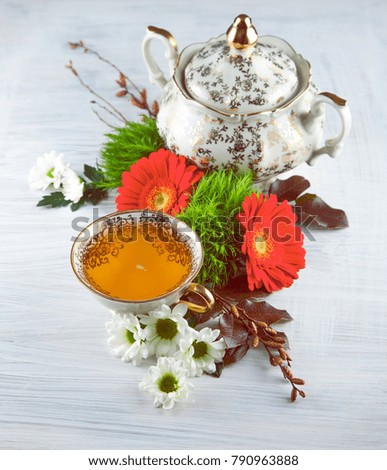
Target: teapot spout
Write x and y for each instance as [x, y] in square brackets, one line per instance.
[155, 73]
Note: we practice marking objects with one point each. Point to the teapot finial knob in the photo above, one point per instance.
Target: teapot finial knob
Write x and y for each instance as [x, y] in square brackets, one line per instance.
[242, 34]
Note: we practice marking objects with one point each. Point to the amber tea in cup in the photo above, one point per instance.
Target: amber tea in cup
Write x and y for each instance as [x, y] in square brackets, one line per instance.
[135, 261]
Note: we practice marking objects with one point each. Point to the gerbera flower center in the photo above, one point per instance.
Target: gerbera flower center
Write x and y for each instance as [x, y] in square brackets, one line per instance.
[166, 328]
[200, 349]
[161, 198]
[168, 383]
[129, 337]
[262, 245]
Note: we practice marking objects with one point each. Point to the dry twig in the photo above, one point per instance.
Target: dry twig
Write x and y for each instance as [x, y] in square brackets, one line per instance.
[272, 340]
[114, 110]
[138, 97]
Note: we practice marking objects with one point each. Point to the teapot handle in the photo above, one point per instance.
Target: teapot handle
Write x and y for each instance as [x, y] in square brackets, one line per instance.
[155, 73]
[334, 145]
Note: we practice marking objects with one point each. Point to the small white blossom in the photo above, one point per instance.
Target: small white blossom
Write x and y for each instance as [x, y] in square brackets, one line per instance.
[48, 170]
[72, 186]
[200, 351]
[127, 339]
[167, 382]
[164, 329]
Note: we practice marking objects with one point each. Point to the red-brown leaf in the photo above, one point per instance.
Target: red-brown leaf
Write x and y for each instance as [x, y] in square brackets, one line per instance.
[143, 94]
[155, 108]
[121, 93]
[315, 213]
[290, 188]
[136, 102]
[283, 335]
[218, 371]
[199, 318]
[122, 81]
[235, 354]
[262, 311]
[233, 331]
[237, 290]
[216, 310]
[74, 45]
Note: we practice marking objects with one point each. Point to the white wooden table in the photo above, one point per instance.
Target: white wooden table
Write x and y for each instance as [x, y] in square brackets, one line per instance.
[59, 386]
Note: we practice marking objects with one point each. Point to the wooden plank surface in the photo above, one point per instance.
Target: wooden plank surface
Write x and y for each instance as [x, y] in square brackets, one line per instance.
[59, 386]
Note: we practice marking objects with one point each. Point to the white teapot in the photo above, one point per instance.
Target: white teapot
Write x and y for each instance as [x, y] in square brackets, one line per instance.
[243, 102]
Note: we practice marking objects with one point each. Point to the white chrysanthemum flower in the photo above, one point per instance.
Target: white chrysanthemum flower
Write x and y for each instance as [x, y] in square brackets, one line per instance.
[72, 186]
[200, 351]
[164, 329]
[127, 339]
[167, 382]
[48, 170]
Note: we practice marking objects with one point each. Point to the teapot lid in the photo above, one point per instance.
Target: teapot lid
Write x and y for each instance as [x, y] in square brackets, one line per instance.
[239, 73]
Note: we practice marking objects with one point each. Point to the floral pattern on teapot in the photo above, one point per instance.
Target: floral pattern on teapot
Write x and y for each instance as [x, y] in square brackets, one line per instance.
[229, 80]
[267, 147]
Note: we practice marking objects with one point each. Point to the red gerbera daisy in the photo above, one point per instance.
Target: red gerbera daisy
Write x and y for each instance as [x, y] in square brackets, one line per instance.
[163, 181]
[272, 242]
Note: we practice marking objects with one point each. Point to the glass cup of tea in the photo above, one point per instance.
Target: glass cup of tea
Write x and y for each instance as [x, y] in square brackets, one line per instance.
[135, 261]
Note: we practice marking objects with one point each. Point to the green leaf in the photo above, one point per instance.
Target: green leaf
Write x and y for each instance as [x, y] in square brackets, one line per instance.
[55, 199]
[76, 205]
[93, 174]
